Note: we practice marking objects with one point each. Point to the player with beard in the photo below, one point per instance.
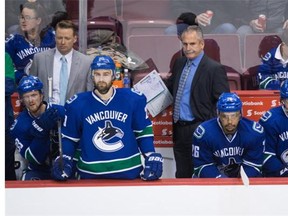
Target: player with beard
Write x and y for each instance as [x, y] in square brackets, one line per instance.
[223, 144]
[111, 129]
[31, 130]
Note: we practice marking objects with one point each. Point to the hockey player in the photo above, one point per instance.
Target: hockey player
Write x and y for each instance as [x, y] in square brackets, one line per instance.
[32, 129]
[223, 144]
[275, 123]
[112, 129]
[274, 67]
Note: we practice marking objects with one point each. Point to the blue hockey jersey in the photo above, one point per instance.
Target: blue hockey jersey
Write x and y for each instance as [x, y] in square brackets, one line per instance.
[21, 51]
[273, 70]
[111, 135]
[35, 150]
[275, 123]
[215, 155]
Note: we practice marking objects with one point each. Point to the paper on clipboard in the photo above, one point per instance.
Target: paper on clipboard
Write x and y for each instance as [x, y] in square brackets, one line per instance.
[156, 92]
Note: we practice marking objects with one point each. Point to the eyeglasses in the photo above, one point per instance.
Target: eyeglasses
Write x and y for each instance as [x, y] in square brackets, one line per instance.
[26, 18]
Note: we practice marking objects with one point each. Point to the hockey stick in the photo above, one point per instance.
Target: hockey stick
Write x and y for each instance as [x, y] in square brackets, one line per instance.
[244, 177]
[58, 124]
[51, 132]
[60, 144]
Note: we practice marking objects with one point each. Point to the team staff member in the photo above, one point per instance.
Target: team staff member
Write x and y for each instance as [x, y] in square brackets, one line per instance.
[31, 130]
[223, 144]
[195, 98]
[275, 123]
[112, 130]
[48, 64]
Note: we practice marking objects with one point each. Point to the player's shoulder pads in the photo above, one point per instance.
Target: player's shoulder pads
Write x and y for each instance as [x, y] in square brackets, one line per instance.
[73, 98]
[267, 56]
[199, 132]
[257, 127]
[267, 115]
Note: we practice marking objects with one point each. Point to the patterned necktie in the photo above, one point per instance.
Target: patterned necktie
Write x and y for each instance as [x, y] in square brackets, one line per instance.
[182, 81]
[63, 80]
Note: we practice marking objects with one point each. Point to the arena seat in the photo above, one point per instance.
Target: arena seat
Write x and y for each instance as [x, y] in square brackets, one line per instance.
[230, 53]
[249, 79]
[160, 48]
[212, 50]
[102, 23]
[147, 27]
[145, 9]
[95, 8]
[234, 79]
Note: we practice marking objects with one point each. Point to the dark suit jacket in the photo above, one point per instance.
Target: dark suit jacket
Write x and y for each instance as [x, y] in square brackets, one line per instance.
[210, 80]
[79, 78]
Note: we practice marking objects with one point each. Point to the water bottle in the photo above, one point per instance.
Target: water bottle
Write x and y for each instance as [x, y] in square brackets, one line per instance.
[118, 70]
[262, 21]
[126, 79]
[99, 50]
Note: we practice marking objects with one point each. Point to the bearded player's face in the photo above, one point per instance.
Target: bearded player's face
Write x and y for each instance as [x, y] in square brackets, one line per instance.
[102, 80]
[229, 121]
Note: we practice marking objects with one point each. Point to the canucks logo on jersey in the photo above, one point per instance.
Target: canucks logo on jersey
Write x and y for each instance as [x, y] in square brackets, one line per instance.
[108, 139]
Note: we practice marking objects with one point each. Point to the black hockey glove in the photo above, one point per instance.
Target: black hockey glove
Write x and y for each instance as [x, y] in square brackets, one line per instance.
[232, 170]
[47, 121]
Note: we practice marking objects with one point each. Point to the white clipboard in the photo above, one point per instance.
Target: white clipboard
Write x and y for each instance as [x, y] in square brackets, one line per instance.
[156, 92]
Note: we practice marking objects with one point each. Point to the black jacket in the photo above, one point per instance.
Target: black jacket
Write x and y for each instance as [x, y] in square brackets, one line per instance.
[210, 80]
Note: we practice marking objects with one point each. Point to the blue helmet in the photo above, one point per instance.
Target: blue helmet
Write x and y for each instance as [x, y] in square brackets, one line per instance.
[229, 102]
[284, 90]
[103, 62]
[28, 84]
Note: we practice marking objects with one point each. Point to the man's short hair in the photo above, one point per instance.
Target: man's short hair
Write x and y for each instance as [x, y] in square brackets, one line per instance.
[66, 24]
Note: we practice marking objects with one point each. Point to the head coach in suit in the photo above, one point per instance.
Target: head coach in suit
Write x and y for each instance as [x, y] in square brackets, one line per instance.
[48, 65]
[195, 96]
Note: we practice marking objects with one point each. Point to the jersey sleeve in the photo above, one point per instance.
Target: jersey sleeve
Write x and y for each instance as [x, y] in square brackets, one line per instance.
[271, 165]
[142, 125]
[71, 128]
[34, 149]
[253, 155]
[9, 46]
[204, 165]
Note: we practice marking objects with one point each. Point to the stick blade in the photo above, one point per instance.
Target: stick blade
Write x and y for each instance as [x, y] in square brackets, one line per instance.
[244, 177]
